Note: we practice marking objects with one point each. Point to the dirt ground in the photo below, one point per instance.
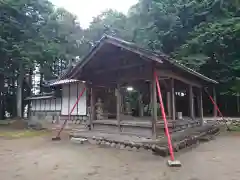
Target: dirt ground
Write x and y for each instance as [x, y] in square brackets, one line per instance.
[39, 158]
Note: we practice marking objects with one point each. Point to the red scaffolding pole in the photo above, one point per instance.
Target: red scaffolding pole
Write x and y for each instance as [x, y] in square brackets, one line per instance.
[164, 118]
[69, 114]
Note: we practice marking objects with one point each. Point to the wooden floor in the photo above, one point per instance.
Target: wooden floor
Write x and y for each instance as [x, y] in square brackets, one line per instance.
[146, 123]
[139, 129]
[111, 136]
[127, 138]
[142, 126]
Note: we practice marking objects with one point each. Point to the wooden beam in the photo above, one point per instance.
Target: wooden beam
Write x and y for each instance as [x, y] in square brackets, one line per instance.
[121, 76]
[173, 100]
[200, 105]
[118, 101]
[140, 53]
[82, 64]
[191, 102]
[154, 107]
[164, 82]
[171, 74]
[117, 68]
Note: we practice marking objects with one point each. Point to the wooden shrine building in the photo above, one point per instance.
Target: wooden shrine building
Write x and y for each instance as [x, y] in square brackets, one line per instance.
[121, 90]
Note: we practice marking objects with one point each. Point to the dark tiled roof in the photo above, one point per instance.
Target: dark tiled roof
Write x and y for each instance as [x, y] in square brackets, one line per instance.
[155, 56]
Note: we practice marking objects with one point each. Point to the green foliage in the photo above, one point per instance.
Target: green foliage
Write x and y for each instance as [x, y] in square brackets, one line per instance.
[34, 36]
[203, 34]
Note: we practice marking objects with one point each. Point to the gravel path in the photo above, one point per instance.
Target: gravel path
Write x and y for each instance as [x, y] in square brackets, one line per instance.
[39, 158]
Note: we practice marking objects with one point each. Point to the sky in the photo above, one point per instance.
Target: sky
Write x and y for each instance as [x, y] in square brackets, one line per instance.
[87, 9]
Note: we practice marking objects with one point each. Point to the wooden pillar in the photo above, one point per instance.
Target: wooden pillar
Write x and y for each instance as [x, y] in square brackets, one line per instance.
[200, 105]
[92, 107]
[173, 100]
[118, 101]
[140, 105]
[122, 101]
[191, 102]
[215, 99]
[169, 104]
[154, 107]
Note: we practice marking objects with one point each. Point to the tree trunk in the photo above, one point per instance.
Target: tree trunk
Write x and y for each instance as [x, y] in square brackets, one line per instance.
[30, 90]
[41, 81]
[14, 108]
[1, 96]
[238, 103]
[19, 91]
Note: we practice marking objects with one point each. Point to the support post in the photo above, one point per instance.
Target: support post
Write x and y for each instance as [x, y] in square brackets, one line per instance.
[169, 104]
[140, 105]
[118, 100]
[154, 107]
[191, 102]
[92, 107]
[215, 100]
[173, 100]
[200, 106]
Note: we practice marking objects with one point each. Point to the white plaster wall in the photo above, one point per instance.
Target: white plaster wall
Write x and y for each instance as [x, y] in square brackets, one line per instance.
[82, 105]
[38, 108]
[52, 107]
[47, 108]
[33, 105]
[73, 97]
[42, 105]
[69, 101]
[65, 100]
[46, 105]
[58, 104]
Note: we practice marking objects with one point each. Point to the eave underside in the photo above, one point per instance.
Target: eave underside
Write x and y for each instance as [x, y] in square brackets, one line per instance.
[111, 65]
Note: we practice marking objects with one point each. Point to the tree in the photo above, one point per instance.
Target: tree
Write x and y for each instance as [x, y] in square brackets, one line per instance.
[34, 37]
[109, 22]
[37, 38]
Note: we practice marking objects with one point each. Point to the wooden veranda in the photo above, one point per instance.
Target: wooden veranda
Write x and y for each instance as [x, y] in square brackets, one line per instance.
[114, 65]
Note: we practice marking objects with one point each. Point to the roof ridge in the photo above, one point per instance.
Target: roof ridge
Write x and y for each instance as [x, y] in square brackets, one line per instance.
[151, 54]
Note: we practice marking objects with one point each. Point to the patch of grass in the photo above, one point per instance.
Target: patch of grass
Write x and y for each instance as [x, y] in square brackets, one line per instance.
[4, 122]
[22, 133]
[234, 128]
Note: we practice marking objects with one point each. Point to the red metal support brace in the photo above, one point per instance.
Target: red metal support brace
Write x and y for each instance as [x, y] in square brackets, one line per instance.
[164, 118]
[69, 115]
[214, 103]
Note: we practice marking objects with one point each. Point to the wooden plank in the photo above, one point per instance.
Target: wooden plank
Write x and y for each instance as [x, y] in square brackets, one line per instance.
[173, 100]
[191, 102]
[143, 73]
[141, 54]
[117, 68]
[85, 61]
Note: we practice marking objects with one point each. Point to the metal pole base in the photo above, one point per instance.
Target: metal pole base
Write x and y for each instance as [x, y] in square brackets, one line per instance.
[174, 163]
